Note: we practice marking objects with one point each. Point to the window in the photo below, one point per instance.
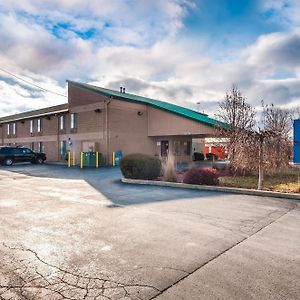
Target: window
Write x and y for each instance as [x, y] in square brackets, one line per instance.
[5, 151]
[17, 151]
[14, 128]
[62, 122]
[26, 151]
[39, 125]
[187, 148]
[8, 129]
[176, 148]
[32, 146]
[63, 148]
[73, 121]
[40, 147]
[31, 126]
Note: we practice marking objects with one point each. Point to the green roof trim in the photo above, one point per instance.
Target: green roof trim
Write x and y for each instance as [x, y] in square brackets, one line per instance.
[169, 107]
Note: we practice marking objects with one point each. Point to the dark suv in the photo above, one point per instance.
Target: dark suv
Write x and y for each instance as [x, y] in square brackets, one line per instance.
[10, 155]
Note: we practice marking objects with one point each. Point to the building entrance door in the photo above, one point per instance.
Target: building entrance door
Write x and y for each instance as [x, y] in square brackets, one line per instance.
[164, 147]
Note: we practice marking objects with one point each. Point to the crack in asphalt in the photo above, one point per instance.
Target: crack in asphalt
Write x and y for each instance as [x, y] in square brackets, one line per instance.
[28, 282]
[227, 249]
[25, 281]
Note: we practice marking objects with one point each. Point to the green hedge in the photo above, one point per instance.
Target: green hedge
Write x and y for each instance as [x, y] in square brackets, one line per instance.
[140, 166]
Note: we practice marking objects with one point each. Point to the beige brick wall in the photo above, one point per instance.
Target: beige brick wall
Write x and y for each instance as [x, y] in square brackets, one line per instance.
[48, 135]
[164, 123]
[131, 128]
[128, 127]
[78, 96]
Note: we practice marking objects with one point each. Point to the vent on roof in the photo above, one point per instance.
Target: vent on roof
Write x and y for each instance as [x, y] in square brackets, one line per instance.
[122, 89]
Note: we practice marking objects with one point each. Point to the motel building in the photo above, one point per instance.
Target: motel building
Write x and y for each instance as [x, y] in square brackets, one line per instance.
[101, 120]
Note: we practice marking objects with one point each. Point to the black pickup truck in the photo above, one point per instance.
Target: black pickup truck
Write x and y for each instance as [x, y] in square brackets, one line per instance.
[10, 155]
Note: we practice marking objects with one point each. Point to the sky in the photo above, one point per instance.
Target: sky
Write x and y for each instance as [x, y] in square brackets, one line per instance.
[181, 51]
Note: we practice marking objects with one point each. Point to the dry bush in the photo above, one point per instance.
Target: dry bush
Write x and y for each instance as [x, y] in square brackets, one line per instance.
[169, 168]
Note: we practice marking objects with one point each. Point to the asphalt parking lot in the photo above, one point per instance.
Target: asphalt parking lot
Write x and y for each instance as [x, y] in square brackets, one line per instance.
[82, 234]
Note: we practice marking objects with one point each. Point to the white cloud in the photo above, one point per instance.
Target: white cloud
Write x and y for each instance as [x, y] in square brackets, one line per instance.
[285, 12]
[16, 97]
[136, 46]
[276, 51]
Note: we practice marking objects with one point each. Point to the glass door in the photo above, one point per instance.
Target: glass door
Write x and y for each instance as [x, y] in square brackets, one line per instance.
[164, 147]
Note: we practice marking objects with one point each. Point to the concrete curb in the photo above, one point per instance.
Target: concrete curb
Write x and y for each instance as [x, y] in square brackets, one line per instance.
[213, 188]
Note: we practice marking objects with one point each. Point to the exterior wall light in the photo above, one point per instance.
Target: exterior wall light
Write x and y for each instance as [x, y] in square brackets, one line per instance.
[140, 113]
[98, 110]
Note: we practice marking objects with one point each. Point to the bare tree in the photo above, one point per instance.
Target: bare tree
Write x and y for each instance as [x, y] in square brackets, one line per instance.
[240, 117]
[251, 148]
[274, 140]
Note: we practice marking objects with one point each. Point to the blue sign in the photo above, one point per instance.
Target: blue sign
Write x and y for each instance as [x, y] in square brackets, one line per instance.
[297, 141]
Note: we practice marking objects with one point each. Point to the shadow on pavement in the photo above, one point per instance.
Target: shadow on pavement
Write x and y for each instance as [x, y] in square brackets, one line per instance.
[107, 181]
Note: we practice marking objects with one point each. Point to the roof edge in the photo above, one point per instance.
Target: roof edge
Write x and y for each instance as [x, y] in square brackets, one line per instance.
[35, 113]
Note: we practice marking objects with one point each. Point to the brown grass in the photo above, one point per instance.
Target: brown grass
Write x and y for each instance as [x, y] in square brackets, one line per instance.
[284, 181]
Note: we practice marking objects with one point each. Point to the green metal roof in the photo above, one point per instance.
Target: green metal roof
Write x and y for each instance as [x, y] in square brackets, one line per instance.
[169, 107]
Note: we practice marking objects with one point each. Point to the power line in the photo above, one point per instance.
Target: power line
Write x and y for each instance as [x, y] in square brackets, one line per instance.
[30, 83]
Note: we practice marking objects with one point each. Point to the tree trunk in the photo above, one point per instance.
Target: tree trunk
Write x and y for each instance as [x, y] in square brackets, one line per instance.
[260, 185]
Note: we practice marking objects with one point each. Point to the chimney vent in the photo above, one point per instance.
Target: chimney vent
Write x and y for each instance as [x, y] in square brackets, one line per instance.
[121, 89]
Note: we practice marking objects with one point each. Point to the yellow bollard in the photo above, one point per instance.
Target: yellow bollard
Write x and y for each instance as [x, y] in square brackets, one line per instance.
[113, 159]
[81, 160]
[69, 159]
[97, 159]
[74, 159]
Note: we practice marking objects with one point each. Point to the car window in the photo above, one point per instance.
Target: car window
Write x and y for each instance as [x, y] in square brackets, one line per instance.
[16, 151]
[26, 151]
[5, 150]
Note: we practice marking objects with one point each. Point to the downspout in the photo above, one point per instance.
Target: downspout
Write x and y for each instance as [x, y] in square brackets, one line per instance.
[107, 132]
[58, 152]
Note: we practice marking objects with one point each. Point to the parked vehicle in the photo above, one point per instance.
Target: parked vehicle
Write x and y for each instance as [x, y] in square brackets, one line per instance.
[198, 156]
[10, 155]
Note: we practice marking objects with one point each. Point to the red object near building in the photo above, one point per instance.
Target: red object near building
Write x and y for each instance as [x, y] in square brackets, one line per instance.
[218, 151]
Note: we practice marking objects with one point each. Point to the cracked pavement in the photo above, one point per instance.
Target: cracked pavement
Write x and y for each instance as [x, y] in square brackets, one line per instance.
[71, 234]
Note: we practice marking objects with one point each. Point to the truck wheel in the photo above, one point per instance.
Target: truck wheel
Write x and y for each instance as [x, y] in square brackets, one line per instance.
[8, 162]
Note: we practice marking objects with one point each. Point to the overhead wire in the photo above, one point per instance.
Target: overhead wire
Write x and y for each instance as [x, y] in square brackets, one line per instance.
[30, 83]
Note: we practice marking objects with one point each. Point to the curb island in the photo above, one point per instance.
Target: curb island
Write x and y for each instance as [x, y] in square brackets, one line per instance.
[241, 191]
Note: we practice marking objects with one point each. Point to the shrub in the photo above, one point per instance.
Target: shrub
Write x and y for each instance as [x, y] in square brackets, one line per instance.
[201, 176]
[140, 166]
